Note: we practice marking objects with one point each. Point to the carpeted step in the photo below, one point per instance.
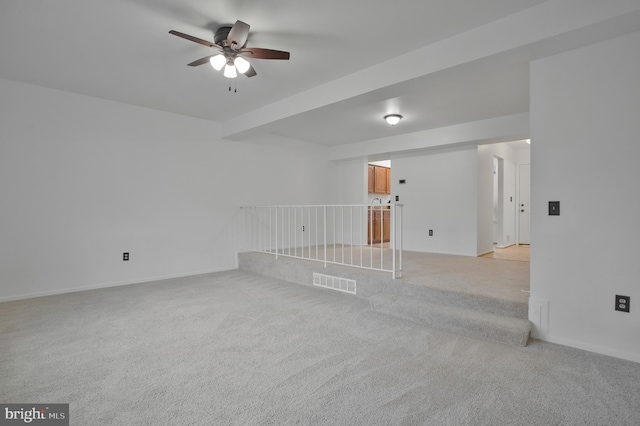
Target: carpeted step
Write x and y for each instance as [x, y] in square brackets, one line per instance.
[466, 321]
[373, 282]
[491, 318]
[457, 299]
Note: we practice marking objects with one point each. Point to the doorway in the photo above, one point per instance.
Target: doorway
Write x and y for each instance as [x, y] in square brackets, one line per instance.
[379, 197]
[504, 203]
[524, 215]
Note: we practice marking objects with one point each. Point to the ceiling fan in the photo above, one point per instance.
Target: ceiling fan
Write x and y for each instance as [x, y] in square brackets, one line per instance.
[233, 54]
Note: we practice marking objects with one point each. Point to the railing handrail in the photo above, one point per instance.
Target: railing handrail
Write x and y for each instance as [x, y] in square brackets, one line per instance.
[321, 205]
[288, 230]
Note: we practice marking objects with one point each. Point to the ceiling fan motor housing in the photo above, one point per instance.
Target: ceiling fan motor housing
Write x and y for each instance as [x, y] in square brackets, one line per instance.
[221, 35]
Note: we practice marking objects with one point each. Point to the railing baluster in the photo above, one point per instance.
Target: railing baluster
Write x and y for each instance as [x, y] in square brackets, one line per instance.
[371, 213]
[270, 231]
[381, 238]
[289, 229]
[309, 230]
[325, 235]
[361, 236]
[342, 230]
[393, 241]
[401, 237]
[351, 232]
[334, 233]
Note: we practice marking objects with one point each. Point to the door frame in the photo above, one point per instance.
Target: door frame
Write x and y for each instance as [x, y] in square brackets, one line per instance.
[519, 239]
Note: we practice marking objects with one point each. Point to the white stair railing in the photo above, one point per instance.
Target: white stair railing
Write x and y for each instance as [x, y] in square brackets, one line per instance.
[365, 236]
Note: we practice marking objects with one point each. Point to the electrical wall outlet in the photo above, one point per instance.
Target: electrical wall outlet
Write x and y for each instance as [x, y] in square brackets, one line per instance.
[622, 303]
[125, 257]
[431, 232]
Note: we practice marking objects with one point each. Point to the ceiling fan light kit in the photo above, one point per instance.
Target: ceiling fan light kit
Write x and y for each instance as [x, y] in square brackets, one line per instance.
[230, 71]
[218, 61]
[231, 43]
[392, 119]
[241, 64]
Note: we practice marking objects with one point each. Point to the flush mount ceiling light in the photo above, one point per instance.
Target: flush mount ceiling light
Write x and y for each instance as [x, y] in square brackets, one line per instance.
[392, 119]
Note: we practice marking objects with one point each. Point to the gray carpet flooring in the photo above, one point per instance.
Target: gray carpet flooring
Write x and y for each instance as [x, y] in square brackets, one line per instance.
[241, 349]
[482, 276]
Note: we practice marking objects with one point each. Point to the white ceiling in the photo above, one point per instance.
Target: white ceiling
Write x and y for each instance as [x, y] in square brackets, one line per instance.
[121, 50]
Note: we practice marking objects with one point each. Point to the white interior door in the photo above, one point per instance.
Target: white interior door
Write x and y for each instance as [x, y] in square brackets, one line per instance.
[524, 208]
[497, 211]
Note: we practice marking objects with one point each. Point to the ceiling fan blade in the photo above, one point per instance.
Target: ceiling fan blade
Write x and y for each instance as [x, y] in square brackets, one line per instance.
[258, 53]
[201, 61]
[251, 72]
[194, 39]
[238, 34]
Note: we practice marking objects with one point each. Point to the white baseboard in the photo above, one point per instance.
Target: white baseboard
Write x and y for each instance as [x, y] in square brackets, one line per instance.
[111, 284]
[592, 348]
[507, 246]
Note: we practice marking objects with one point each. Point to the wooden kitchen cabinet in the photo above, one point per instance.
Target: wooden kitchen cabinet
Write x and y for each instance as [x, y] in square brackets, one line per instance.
[386, 226]
[388, 181]
[379, 180]
[372, 178]
[375, 234]
[380, 186]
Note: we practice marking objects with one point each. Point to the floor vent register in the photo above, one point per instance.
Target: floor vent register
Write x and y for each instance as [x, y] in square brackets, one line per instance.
[334, 283]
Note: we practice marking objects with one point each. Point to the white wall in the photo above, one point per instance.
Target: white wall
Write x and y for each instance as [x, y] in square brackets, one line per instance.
[440, 193]
[585, 150]
[83, 180]
[351, 187]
